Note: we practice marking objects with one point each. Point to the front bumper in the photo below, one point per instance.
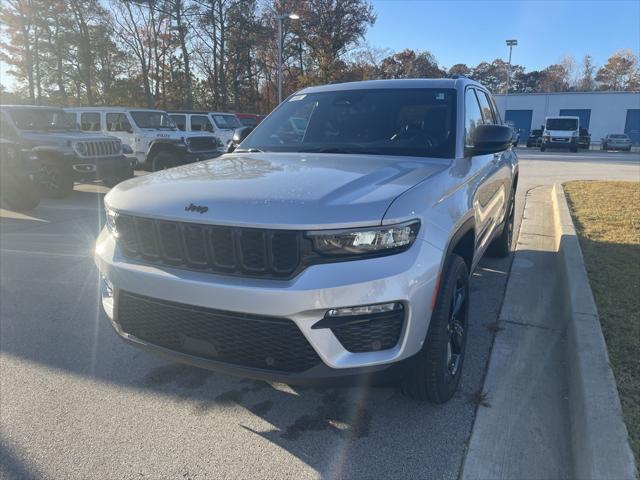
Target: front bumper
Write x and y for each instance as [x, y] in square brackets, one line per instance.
[559, 142]
[99, 168]
[408, 277]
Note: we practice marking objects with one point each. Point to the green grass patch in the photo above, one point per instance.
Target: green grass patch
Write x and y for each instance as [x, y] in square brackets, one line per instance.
[607, 220]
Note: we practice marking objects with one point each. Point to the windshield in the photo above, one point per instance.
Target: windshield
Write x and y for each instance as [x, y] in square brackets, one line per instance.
[562, 124]
[407, 122]
[536, 133]
[622, 137]
[146, 119]
[43, 119]
[226, 121]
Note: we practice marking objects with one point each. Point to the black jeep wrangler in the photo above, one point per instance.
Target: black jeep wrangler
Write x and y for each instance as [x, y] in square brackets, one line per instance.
[67, 155]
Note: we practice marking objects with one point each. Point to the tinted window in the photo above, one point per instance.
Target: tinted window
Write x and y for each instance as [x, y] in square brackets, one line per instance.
[201, 123]
[150, 119]
[180, 121]
[472, 116]
[487, 111]
[249, 121]
[42, 119]
[408, 122]
[90, 121]
[118, 122]
[622, 137]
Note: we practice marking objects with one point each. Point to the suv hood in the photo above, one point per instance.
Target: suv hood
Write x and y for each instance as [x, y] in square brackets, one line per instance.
[276, 190]
[51, 137]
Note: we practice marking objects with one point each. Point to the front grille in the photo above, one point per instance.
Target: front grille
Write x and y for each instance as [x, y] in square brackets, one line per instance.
[560, 139]
[99, 148]
[225, 250]
[380, 332]
[236, 338]
[202, 144]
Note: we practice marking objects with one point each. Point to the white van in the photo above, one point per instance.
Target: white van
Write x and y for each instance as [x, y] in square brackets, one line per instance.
[561, 132]
[148, 135]
[221, 124]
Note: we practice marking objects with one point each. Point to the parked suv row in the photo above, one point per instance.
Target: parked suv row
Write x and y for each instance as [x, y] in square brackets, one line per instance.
[337, 244]
[149, 136]
[222, 125]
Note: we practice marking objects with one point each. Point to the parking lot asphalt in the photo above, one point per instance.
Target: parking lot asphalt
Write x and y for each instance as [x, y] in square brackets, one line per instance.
[76, 402]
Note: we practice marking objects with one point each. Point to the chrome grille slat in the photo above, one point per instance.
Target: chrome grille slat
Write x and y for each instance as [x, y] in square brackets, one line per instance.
[101, 148]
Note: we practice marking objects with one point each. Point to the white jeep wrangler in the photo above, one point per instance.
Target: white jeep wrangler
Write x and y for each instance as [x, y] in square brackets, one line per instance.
[149, 135]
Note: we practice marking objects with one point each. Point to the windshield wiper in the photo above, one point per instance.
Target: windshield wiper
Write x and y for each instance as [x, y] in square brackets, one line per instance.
[339, 150]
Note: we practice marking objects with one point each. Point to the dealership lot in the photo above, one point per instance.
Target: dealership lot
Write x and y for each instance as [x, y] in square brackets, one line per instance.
[76, 402]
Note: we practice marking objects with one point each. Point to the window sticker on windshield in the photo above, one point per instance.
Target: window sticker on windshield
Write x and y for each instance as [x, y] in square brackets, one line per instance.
[440, 96]
[297, 98]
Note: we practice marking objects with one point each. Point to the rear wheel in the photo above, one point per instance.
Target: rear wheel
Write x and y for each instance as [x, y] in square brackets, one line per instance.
[501, 245]
[436, 374]
[56, 182]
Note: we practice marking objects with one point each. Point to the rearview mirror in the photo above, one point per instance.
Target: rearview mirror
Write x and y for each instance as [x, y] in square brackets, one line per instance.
[490, 139]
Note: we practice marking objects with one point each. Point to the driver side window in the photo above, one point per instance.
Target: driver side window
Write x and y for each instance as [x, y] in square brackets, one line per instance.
[472, 116]
[118, 122]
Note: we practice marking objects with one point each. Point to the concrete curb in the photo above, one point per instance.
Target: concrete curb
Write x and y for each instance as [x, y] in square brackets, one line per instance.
[554, 410]
[599, 439]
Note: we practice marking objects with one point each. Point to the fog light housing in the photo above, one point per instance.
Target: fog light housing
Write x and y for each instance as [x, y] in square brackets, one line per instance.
[106, 292]
[365, 310]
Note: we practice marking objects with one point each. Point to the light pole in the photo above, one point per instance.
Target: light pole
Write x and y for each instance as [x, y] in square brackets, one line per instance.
[511, 44]
[281, 18]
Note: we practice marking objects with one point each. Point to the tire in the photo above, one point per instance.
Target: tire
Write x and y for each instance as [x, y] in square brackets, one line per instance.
[542, 149]
[501, 245]
[162, 161]
[438, 365]
[573, 149]
[56, 183]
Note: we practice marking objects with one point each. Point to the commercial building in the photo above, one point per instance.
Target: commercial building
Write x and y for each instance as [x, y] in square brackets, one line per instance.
[600, 113]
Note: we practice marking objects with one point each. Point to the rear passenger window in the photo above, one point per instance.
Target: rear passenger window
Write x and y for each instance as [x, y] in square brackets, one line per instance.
[90, 121]
[201, 123]
[472, 116]
[488, 114]
[180, 121]
[118, 122]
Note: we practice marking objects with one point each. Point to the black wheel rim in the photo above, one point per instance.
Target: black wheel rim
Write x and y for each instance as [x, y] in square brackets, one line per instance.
[53, 180]
[456, 328]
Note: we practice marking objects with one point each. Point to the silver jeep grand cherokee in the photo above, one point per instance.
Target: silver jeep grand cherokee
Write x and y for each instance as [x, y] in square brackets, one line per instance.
[337, 240]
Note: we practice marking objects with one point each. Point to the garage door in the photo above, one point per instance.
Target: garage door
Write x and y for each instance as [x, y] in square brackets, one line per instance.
[632, 125]
[583, 114]
[522, 121]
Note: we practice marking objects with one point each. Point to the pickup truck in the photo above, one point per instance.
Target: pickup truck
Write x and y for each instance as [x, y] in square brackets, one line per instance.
[341, 251]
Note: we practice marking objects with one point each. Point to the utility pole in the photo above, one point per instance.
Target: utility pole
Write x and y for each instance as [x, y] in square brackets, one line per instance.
[511, 43]
[282, 18]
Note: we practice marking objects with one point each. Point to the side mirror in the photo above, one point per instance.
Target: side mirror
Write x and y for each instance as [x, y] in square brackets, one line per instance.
[240, 134]
[490, 139]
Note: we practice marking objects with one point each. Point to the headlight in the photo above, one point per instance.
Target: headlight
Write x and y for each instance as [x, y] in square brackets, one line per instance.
[126, 149]
[112, 216]
[365, 241]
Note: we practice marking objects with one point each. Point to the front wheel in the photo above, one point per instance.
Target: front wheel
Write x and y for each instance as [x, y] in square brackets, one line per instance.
[57, 182]
[436, 374]
[162, 161]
